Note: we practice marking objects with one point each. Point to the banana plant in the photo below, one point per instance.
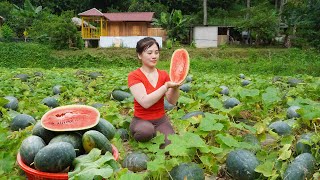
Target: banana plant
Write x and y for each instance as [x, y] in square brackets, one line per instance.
[175, 24]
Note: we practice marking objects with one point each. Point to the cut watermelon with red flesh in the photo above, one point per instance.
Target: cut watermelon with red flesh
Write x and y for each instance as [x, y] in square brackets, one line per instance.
[70, 118]
[179, 66]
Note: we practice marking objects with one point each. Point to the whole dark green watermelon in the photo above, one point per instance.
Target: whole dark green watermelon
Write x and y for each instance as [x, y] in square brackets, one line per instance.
[167, 105]
[231, 102]
[95, 75]
[73, 138]
[241, 164]
[185, 87]
[21, 121]
[22, 77]
[135, 161]
[292, 112]
[57, 89]
[123, 133]
[29, 148]
[120, 95]
[12, 104]
[303, 147]
[280, 127]
[50, 102]
[302, 167]
[106, 128]
[40, 131]
[95, 139]
[55, 157]
[193, 114]
[188, 171]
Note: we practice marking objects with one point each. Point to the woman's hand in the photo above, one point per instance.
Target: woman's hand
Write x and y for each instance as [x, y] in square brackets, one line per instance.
[171, 84]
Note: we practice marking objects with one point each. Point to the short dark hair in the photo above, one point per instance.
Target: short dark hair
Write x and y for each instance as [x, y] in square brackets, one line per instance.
[145, 43]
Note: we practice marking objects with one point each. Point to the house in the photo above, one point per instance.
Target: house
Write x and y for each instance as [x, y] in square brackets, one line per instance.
[118, 29]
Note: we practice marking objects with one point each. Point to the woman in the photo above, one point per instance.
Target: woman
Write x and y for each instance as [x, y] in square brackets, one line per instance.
[149, 85]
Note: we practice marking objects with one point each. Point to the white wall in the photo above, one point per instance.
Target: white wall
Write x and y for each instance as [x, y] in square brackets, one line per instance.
[123, 41]
[205, 36]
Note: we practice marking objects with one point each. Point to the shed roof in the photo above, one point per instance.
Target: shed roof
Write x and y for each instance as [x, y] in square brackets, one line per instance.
[92, 12]
[130, 16]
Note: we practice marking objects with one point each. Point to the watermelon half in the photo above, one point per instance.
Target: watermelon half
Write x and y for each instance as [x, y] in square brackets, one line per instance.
[70, 118]
[179, 66]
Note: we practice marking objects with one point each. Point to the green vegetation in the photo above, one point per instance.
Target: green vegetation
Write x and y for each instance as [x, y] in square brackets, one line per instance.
[206, 131]
[225, 60]
[290, 23]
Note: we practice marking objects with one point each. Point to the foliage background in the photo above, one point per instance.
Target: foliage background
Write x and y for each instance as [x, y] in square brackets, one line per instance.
[293, 20]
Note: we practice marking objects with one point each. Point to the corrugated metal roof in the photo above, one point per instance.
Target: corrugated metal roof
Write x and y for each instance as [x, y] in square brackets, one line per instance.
[91, 12]
[130, 16]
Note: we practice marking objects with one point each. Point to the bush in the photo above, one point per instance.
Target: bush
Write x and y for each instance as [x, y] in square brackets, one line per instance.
[6, 33]
[57, 31]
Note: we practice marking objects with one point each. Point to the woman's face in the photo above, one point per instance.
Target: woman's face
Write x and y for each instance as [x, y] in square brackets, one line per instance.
[150, 56]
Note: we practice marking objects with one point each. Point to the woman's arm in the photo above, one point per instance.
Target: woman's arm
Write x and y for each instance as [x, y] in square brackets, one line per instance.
[173, 95]
[147, 100]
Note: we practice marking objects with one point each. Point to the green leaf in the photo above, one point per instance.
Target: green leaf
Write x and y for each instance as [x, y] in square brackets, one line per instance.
[154, 144]
[228, 140]
[93, 155]
[207, 124]
[93, 165]
[183, 145]
[90, 173]
[3, 101]
[157, 164]
[185, 100]
[285, 152]
[178, 147]
[132, 176]
[271, 96]
[287, 139]
[249, 92]
[215, 104]
[265, 168]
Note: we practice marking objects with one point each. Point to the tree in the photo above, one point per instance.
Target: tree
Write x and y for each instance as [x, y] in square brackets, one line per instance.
[175, 24]
[308, 27]
[56, 31]
[5, 9]
[146, 6]
[21, 19]
[262, 23]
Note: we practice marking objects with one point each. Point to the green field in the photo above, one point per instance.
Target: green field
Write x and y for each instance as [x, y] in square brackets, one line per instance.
[279, 79]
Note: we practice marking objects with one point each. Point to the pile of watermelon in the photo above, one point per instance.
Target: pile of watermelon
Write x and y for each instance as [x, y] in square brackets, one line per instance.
[63, 134]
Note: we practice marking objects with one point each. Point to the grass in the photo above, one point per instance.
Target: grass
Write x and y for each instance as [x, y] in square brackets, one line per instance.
[225, 60]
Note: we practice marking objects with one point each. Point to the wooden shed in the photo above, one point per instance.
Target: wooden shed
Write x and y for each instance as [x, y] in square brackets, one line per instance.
[210, 36]
[96, 24]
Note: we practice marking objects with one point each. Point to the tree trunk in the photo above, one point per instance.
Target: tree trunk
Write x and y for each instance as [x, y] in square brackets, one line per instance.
[205, 15]
[248, 39]
[248, 6]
